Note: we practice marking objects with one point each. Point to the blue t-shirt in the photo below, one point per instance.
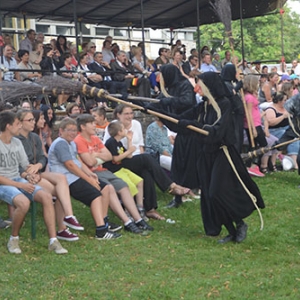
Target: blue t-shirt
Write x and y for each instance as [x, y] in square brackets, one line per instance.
[207, 68]
[61, 151]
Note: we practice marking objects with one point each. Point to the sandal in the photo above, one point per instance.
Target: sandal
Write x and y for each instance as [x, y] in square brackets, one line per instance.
[176, 189]
[274, 169]
[264, 170]
[153, 214]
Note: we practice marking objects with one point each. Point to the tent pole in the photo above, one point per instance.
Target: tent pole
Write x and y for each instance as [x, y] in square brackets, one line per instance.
[76, 27]
[143, 32]
[198, 33]
[282, 40]
[1, 46]
[242, 34]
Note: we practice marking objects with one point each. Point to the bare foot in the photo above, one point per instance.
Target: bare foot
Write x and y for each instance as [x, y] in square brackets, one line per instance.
[176, 189]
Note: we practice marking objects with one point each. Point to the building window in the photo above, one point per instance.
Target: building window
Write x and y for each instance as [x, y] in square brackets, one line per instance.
[189, 36]
[120, 32]
[42, 28]
[102, 31]
[64, 30]
[137, 34]
[86, 29]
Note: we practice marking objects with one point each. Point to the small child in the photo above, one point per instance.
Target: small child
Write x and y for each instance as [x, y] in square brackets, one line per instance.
[99, 113]
[119, 153]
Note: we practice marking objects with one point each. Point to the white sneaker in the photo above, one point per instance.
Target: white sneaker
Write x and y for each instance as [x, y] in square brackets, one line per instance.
[57, 248]
[13, 246]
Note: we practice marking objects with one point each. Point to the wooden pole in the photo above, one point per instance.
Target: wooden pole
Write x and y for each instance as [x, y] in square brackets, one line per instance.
[154, 113]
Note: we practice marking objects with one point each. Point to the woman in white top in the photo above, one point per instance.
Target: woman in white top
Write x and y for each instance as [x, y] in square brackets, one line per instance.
[144, 164]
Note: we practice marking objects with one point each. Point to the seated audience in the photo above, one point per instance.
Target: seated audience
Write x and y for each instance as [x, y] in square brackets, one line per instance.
[99, 114]
[104, 69]
[27, 43]
[19, 189]
[93, 153]
[157, 140]
[9, 62]
[61, 44]
[26, 65]
[50, 117]
[54, 183]
[162, 59]
[277, 117]
[36, 55]
[206, 65]
[124, 72]
[108, 55]
[139, 66]
[144, 164]
[84, 185]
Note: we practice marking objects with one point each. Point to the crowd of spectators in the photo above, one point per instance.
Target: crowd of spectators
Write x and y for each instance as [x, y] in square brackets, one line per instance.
[121, 71]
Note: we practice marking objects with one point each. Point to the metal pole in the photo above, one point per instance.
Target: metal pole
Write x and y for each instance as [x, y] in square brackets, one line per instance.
[143, 32]
[76, 27]
[1, 45]
[282, 41]
[198, 32]
[242, 33]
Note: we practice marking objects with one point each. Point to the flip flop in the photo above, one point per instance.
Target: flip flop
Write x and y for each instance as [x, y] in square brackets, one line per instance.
[153, 214]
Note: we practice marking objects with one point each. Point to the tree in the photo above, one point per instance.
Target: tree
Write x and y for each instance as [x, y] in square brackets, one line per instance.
[262, 37]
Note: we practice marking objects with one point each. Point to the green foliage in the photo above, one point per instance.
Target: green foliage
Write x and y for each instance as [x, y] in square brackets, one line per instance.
[262, 37]
[176, 261]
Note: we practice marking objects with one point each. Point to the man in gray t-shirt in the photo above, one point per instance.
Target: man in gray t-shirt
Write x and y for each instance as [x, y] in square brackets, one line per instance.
[19, 189]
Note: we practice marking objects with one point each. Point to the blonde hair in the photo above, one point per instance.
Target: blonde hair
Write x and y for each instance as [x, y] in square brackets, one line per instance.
[162, 86]
[135, 50]
[251, 84]
[211, 99]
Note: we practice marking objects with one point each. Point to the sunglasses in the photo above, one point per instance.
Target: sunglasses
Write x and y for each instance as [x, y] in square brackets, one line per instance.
[93, 47]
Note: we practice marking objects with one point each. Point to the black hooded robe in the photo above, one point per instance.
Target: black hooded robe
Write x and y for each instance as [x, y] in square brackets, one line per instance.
[223, 198]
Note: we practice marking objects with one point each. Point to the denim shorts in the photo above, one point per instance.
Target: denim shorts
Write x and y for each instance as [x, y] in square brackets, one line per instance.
[8, 192]
[293, 148]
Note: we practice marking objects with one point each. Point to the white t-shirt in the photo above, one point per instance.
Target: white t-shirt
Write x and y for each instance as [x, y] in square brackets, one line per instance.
[137, 139]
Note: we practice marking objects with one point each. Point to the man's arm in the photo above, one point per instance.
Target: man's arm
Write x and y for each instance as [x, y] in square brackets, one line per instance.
[73, 168]
[26, 186]
[90, 159]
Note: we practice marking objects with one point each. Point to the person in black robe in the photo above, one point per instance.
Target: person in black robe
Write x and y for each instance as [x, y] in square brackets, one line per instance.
[178, 96]
[177, 91]
[228, 75]
[225, 200]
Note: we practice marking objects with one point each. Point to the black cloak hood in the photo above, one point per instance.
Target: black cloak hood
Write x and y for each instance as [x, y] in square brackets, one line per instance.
[171, 75]
[228, 73]
[214, 83]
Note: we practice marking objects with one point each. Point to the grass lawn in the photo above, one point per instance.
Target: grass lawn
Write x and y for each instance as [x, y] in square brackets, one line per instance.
[176, 261]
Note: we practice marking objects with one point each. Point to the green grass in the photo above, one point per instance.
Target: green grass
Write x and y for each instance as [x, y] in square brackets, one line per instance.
[176, 261]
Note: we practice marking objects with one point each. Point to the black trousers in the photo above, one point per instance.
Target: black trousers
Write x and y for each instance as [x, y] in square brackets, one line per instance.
[148, 168]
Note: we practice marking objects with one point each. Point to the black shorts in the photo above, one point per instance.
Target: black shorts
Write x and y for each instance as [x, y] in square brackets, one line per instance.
[84, 192]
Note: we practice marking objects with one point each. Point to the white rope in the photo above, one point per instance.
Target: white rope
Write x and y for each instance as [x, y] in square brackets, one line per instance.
[252, 197]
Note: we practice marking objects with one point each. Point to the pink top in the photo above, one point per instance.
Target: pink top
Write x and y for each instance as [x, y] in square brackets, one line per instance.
[249, 98]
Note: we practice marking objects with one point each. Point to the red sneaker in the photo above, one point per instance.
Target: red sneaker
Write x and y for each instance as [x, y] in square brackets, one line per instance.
[73, 223]
[254, 171]
[67, 235]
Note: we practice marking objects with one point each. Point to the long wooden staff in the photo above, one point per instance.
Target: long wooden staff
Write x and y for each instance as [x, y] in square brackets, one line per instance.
[60, 85]
[247, 118]
[151, 112]
[263, 150]
[137, 98]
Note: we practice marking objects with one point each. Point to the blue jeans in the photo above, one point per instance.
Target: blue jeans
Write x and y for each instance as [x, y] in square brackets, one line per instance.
[8, 192]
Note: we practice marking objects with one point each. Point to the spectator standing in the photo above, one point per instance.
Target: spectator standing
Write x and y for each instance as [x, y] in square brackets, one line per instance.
[27, 43]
